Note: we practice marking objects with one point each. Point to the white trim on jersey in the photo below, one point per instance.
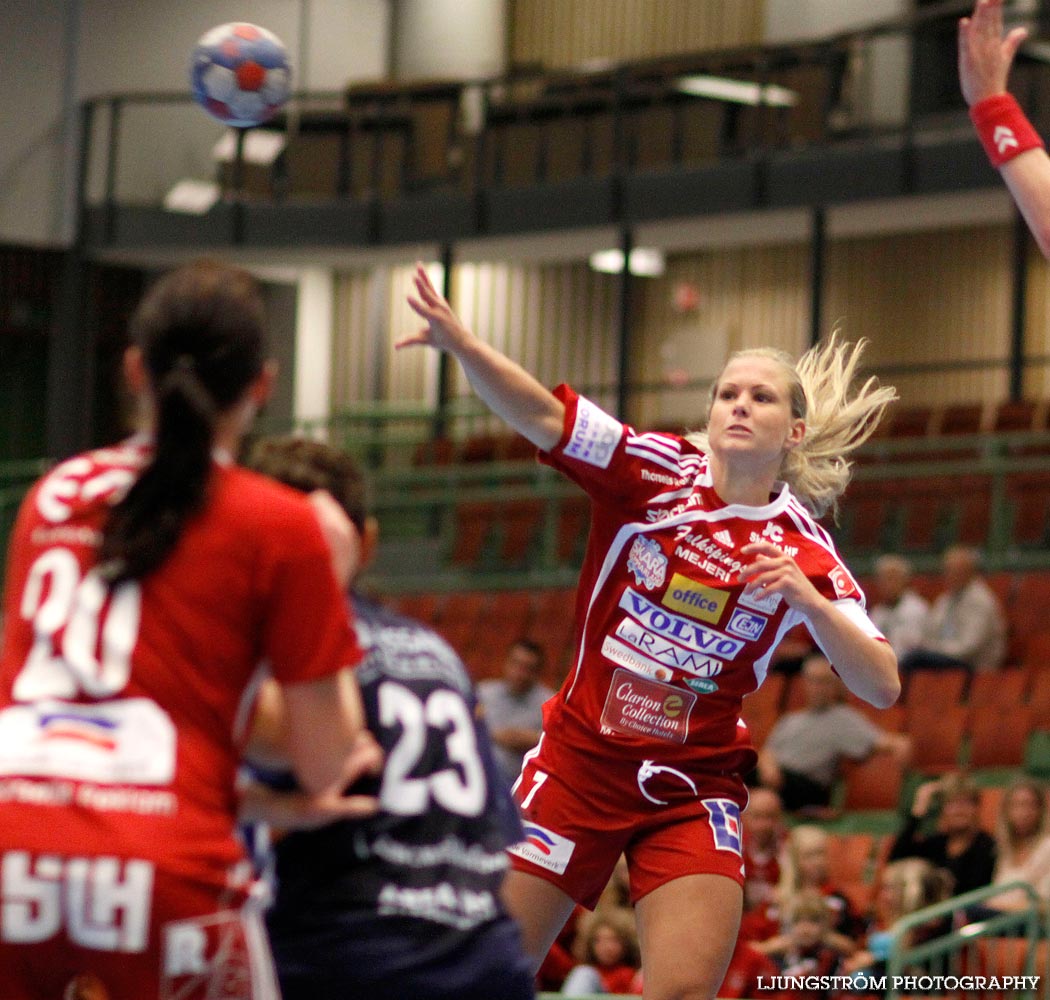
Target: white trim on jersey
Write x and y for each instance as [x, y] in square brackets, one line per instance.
[761, 665]
[671, 447]
[672, 465]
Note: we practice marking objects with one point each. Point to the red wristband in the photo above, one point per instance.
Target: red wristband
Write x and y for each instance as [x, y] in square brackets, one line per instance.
[1003, 129]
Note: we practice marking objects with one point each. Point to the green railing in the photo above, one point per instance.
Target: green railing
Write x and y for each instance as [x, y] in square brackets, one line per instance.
[424, 506]
[962, 961]
[427, 511]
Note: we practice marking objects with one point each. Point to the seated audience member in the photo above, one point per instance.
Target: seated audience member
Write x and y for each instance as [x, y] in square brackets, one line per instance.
[765, 837]
[607, 946]
[899, 612]
[806, 867]
[957, 843]
[1023, 841]
[966, 626]
[906, 886]
[749, 974]
[513, 705]
[807, 946]
[802, 755]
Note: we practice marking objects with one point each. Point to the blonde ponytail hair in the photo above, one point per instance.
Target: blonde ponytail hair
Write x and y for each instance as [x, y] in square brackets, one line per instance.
[839, 418]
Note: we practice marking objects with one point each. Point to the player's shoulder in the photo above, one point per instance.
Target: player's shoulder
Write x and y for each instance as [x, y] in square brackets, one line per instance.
[401, 648]
[258, 492]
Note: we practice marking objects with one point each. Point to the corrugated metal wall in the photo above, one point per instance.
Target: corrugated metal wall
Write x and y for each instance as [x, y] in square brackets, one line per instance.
[935, 300]
[562, 33]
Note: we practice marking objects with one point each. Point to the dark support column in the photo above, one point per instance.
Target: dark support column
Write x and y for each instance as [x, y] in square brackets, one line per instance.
[1019, 306]
[71, 346]
[445, 361]
[623, 323]
[816, 274]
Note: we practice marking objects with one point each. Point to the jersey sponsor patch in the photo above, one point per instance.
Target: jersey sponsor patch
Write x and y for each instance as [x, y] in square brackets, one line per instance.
[545, 848]
[684, 631]
[638, 706]
[724, 817]
[840, 581]
[660, 650]
[766, 603]
[595, 435]
[130, 741]
[745, 624]
[647, 562]
[613, 649]
[694, 599]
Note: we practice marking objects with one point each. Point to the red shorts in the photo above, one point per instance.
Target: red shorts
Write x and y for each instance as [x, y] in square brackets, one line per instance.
[581, 812]
[94, 928]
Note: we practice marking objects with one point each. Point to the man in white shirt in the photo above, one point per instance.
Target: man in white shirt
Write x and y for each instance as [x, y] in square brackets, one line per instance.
[513, 705]
[900, 613]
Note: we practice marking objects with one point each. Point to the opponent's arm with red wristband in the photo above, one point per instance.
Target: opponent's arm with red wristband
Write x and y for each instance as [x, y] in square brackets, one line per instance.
[1012, 144]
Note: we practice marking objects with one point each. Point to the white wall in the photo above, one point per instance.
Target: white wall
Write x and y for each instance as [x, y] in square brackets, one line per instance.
[35, 75]
[794, 20]
[449, 39]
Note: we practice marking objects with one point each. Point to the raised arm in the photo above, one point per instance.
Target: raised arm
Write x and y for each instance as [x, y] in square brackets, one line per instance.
[505, 387]
[985, 58]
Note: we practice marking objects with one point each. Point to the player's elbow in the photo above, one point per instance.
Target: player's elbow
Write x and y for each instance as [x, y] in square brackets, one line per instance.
[886, 690]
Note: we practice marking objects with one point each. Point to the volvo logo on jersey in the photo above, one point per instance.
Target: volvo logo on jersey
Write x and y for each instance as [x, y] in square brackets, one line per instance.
[689, 633]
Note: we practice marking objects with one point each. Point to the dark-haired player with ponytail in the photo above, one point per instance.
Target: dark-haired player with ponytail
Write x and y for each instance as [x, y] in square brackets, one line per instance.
[146, 585]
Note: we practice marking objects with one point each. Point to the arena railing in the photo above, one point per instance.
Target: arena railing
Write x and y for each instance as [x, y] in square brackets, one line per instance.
[375, 142]
[986, 943]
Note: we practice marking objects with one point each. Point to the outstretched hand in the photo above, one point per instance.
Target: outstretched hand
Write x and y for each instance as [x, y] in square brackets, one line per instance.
[444, 329]
[985, 55]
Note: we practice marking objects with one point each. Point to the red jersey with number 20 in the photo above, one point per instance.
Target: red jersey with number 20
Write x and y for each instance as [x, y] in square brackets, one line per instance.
[123, 710]
[668, 641]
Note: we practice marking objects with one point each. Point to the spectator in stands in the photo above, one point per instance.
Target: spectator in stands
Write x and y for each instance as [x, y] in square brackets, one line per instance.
[801, 758]
[809, 945]
[513, 705]
[1012, 144]
[806, 867]
[1023, 839]
[765, 838]
[906, 886]
[966, 626]
[957, 843]
[749, 974]
[403, 902]
[607, 946]
[899, 612]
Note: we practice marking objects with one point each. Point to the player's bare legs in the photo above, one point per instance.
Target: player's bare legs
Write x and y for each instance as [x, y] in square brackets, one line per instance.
[540, 908]
[688, 928]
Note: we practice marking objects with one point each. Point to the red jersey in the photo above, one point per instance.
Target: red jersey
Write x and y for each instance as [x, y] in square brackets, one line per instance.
[123, 710]
[669, 642]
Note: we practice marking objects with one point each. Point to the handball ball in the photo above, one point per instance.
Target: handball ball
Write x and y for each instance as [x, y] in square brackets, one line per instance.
[240, 74]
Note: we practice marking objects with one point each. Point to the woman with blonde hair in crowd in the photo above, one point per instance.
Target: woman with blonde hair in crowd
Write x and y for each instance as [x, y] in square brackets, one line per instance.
[1023, 840]
[805, 868]
[703, 553]
[905, 887]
